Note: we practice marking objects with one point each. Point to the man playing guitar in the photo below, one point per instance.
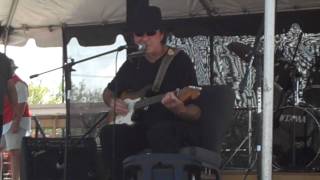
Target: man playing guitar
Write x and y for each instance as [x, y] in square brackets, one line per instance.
[161, 127]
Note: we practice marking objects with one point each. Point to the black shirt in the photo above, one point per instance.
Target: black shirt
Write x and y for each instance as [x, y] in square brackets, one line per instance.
[137, 73]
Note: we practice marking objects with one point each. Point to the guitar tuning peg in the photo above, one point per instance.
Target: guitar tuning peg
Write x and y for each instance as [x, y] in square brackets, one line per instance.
[178, 91]
[195, 87]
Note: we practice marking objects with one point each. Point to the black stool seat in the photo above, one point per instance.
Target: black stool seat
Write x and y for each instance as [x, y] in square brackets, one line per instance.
[153, 166]
[208, 159]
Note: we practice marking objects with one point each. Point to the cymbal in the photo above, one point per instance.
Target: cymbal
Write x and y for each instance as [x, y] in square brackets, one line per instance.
[241, 50]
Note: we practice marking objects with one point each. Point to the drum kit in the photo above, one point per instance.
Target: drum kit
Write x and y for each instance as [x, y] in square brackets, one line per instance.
[296, 137]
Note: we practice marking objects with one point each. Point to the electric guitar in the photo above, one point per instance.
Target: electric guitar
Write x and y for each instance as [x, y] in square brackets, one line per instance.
[135, 101]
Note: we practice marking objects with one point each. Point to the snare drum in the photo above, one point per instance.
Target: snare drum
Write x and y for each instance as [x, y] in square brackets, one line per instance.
[296, 141]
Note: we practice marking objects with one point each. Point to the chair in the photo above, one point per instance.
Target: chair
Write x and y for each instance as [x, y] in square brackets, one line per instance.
[216, 103]
[156, 166]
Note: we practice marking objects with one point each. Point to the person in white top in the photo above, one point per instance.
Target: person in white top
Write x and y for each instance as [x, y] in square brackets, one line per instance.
[17, 120]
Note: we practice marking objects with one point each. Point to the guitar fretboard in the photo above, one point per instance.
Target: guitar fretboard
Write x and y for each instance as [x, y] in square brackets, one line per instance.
[148, 101]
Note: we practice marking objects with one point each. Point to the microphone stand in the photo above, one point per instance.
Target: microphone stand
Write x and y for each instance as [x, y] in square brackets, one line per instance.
[252, 56]
[67, 67]
[259, 83]
[72, 63]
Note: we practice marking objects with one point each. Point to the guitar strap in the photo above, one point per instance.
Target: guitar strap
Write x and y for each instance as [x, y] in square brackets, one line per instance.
[171, 53]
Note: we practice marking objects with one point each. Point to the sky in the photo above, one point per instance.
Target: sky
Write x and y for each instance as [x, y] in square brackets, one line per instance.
[31, 60]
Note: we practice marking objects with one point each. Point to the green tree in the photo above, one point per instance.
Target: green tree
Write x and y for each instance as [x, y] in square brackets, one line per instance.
[81, 93]
[37, 94]
[40, 95]
[57, 97]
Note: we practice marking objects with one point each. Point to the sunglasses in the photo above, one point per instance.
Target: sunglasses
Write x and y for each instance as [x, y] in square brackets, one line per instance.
[148, 33]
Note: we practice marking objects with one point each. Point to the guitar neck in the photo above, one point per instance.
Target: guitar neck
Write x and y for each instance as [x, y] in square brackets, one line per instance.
[184, 95]
[148, 101]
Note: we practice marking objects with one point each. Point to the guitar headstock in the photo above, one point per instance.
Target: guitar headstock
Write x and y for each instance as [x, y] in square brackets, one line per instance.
[189, 93]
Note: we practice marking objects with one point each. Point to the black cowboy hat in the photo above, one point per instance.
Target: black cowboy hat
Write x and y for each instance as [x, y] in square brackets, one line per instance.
[145, 19]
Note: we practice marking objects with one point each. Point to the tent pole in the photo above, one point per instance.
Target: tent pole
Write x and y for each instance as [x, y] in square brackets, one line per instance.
[267, 126]
[12, 11]
[67, 93]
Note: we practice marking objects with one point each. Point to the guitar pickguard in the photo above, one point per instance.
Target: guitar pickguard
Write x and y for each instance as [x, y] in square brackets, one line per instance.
[120, 119]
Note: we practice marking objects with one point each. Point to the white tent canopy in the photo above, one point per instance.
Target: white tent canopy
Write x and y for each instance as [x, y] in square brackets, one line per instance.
[47, 20]
[43, 19]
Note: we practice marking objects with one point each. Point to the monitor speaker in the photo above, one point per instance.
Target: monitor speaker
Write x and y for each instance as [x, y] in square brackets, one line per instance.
[43, 159]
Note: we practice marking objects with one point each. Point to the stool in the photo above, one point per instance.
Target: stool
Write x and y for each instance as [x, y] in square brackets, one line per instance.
[156, 166]
[210, 160]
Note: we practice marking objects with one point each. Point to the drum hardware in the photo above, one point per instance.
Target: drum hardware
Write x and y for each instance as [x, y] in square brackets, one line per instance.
[247, 139]
[241, 50]
[292, 156]
[302, 149]
[238, 149]
[284, 82]
[296, 81]
[246, 54]
[296, 142]
[288, 77]
[311, 94]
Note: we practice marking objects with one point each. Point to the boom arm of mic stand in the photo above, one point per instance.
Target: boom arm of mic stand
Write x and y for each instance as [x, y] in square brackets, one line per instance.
[80, 61]
[67, 73]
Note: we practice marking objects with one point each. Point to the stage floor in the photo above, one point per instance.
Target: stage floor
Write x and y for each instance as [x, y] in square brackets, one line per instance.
[239, 175]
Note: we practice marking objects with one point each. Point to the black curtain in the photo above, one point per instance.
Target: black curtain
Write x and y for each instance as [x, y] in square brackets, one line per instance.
[237, 25]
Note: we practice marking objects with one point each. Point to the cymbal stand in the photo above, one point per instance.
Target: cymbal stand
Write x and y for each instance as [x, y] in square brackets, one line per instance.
[296, 74]
[251, 55]
[296, 82]
[250, 117]
[248, 138]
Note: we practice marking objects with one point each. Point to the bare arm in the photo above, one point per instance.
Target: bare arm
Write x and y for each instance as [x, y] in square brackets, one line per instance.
[18, 112]
[188, 112]
[107, 96]
[117, 105]
[17, 104]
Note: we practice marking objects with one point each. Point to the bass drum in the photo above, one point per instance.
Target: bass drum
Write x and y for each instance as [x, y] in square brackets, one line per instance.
[296, 138]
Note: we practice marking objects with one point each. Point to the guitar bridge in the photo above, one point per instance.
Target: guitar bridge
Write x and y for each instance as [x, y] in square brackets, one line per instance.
[146, 108]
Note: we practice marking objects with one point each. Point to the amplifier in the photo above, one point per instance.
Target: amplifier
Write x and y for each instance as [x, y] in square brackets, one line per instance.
[43, 159]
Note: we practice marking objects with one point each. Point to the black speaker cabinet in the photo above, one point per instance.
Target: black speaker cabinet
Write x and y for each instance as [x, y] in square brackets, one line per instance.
[43, 159]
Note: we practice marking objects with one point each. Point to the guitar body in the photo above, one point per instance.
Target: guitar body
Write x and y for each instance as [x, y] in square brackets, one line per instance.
[135, 94]
[120, 119]
[129, 97]
[136, 102]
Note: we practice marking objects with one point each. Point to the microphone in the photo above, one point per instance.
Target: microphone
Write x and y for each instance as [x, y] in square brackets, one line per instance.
[140, 52]
[132, 47]
[33, 76]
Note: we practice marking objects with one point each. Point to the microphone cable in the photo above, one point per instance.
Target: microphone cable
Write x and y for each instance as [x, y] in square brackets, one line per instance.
[114, 135]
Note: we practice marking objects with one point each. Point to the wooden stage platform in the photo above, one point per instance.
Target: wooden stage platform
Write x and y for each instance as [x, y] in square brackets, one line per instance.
[239, 175]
